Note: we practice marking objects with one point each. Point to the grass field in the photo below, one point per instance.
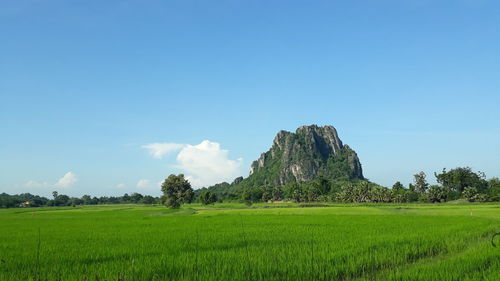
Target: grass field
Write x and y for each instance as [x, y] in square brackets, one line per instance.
[230, 242]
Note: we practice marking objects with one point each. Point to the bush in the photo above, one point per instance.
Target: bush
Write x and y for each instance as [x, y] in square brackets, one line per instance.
[437, 193]
[470, 193]
[208, 197]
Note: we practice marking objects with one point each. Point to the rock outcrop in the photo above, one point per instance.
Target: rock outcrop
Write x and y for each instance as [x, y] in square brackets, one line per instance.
[302, 156]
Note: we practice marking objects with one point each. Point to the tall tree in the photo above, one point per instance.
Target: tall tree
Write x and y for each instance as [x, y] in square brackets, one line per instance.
[136, 197]
[494, 189]
[61, 200]
[459, 178]
[398, 186]
[86, 199]
[177, 190]
[126, 198]
[421, 184]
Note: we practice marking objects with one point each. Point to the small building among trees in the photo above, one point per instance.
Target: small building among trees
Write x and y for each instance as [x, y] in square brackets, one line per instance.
[25, 204]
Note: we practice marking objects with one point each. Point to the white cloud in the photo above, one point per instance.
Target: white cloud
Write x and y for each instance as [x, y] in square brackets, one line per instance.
[120, 185]
[206, 164]
[66, 181]
[158, 150]
[35, 184]
[143, 183]
[203, 164]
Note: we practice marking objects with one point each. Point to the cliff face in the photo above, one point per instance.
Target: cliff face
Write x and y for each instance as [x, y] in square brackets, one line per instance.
[302, 156]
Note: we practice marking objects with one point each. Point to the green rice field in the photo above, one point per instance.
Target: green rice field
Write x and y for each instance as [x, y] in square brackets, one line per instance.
[263, 242]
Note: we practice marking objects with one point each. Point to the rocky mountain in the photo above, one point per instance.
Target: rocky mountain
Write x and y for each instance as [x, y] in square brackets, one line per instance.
[310, 152]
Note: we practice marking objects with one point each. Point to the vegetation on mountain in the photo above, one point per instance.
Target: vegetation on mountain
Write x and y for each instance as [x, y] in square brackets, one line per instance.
[305, 155]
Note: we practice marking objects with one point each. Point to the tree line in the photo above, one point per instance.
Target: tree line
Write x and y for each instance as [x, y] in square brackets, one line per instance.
[30, 200]
[458, 183]
[176, 191]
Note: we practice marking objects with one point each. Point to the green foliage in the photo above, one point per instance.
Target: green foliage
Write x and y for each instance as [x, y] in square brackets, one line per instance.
[470, 193]
[420, 181]
[12, 201]
[267, 175]
[294, 192]
[494, 189]
[252, 195]
[29, 200]
[398, 186]
[207, 197]
[411, 196]
[246, 196]
[459, 178]
[148, 199]
[277, 193]
[437, 193]
[237, 181]
[61, 200]
[176, 191]
[399, 195]
[339, 167]
[324, 189]
[267, 194]
[380, 194]
[309, 152]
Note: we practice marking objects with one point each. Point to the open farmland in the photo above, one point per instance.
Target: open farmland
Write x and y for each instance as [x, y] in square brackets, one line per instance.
[230, 242]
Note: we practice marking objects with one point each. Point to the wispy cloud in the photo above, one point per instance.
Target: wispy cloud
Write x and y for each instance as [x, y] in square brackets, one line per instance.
[35, 184]
[158, 150]
[144, 183]
[66, 181]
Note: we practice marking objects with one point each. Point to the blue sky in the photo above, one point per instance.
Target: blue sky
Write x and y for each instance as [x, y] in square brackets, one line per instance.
[87, 88]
